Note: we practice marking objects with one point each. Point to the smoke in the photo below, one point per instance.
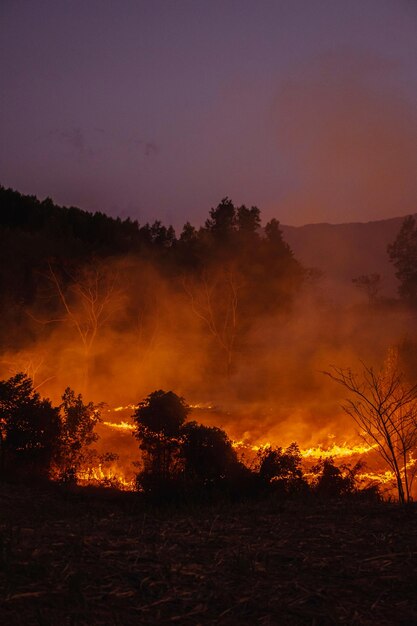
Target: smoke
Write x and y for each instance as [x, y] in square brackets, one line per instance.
[152, 339]
[346, 127]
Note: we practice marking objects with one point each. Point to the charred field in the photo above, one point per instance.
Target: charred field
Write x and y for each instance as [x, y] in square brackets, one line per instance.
[104, 557]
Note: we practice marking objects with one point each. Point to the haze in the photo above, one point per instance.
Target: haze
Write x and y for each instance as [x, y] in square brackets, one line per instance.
[159, 109]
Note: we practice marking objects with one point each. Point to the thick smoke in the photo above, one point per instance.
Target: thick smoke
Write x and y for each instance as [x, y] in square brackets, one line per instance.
[152, 338]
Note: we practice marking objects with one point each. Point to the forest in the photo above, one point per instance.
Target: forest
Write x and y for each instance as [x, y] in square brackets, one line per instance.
[193, 431]
[113, 312]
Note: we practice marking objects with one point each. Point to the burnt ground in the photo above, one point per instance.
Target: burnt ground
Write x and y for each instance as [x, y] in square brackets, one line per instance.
[95, 558]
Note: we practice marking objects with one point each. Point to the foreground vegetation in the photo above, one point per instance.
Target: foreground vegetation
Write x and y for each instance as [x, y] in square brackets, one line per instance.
[86, 557]
[184, 461]
[180, 461]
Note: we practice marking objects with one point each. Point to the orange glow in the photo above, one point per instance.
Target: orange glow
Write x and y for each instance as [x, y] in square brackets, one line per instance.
[123, 477]
[107, 476]
[119, 425]
[336, 451]
[117, 409]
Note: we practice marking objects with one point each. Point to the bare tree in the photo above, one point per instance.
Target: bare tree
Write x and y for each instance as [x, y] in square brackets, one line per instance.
[215, 301]
[88, 299]
[384, 406]
[30, 364]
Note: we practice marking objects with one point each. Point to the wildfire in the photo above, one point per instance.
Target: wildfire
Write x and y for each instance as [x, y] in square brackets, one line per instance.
[203, 405]
[117, 409]
[119, 425]
[336, 451]
[384, 478]
[108, 476]
[123, 478]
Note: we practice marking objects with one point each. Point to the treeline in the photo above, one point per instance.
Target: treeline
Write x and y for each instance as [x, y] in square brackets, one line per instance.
[35, 233]
[106, 277]
[180, 459]
[32, 231]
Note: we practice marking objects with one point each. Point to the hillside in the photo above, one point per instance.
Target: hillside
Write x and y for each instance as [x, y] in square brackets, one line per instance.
[44, 229]
[345, 251]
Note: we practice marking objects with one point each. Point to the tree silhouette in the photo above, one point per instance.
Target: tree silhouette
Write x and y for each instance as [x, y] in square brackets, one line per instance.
[208, 453]
[281, 467]
[248, 220]
[332, 481]
[403, 254]
[29, 428]
[88, 299]
[222, 220]
[159, 419]
[384, 406]
[370, 284]
[78, 422]
[215, 301]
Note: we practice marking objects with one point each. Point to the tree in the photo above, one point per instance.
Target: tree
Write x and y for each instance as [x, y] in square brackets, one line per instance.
[384, 406]
[189, 233]
[190, 248]
[248, 220]
[29, 363]
[370, 284]
[275, 275]
[208, 453]
[282, 467]
[159, 419]
[332, 481]
[222, 220]
[274, 236]
[29, 428]
[78, 422]
[161, 235]
[214, 300]
[403, 254]
[88, 299]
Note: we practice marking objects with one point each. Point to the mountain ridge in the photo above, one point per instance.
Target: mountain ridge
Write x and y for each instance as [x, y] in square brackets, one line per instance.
[345, 251]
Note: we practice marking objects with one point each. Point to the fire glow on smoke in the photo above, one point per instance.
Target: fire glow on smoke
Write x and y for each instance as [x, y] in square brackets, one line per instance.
[121, 473]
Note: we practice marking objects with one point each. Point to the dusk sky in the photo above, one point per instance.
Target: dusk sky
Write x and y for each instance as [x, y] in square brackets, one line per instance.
[158, 109]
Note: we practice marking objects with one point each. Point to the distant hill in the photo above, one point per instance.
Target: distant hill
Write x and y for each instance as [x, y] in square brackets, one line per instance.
[345, 251]
[43, 229]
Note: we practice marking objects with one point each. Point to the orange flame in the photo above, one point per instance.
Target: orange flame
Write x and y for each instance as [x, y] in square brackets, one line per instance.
[118, 477]
[120, 425]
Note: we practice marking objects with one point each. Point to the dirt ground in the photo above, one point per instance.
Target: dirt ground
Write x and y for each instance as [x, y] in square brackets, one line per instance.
[86, 558]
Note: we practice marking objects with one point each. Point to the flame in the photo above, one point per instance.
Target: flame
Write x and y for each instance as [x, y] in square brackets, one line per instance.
[385, 478]
[208, 406]
[124, 479]
[109, 476]
[336, 451]
[117, 409]
[120, 425]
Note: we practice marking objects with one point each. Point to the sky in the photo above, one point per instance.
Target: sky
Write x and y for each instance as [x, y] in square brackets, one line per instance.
[159, 109]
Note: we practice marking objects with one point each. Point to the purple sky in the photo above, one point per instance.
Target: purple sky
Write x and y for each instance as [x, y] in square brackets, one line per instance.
[158, 109]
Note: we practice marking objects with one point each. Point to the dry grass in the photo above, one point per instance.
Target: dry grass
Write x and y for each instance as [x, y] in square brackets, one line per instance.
[107, 559]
